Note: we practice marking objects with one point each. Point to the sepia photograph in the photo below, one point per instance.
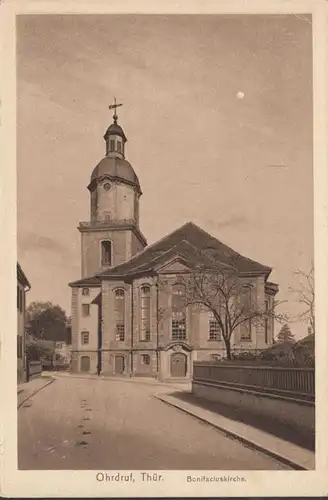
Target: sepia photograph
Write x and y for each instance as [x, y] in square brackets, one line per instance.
[166, 299]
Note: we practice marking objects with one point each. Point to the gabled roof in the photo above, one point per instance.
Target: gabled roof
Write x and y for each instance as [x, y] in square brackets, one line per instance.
[188, 241]
[97, 299]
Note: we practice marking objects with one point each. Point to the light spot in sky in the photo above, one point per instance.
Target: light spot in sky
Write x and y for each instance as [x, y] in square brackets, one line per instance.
[240, 95]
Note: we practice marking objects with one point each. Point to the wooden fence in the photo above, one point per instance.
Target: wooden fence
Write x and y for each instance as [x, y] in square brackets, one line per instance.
[291, 382]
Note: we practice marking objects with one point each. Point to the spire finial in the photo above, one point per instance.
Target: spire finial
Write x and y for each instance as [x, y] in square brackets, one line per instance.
[114, 106]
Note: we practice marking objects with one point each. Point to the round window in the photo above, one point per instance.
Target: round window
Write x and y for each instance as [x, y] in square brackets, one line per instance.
[107, 186]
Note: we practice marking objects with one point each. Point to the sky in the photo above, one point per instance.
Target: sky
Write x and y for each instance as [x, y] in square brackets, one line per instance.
[217, 110]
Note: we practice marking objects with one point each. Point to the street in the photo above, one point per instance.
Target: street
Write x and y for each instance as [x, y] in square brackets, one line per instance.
[77, 423]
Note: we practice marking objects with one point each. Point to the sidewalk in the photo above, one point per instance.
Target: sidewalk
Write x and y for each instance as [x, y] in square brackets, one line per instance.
[286, 452]
[180, 386]
[28, 389]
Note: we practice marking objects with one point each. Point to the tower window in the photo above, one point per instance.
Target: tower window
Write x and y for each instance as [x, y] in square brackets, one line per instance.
[106, 253]
[119, 146]
[112, 145]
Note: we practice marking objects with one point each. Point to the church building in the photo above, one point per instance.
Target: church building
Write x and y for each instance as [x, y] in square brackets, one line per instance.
[127, 319]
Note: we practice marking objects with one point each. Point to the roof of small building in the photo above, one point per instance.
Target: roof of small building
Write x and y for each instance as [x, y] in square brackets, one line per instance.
[117, 168]
[22, 277]
[190, 241]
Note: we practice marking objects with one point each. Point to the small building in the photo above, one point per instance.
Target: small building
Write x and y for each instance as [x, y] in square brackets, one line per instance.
[62, 355]
[23, 286]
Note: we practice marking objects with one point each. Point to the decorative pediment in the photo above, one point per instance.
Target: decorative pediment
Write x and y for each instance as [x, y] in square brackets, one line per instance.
[174, 266]
[178, 346]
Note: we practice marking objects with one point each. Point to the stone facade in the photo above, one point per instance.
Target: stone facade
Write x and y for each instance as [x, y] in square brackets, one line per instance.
[122, 312]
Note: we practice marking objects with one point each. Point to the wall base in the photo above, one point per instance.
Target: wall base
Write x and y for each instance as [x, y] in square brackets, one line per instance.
[287, 411]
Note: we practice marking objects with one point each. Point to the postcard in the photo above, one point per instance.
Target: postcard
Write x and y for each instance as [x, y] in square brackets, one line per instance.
[164, 252]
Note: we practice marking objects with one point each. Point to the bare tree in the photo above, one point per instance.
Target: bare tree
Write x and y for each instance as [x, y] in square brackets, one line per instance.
[305, 294]
[228, 296]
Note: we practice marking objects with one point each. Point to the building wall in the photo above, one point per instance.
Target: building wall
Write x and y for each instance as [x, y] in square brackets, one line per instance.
[62, 353]
[109, 342]
[82, 323]
[160, 347]
[91, 249]
[136, 245]
[270, 299]
[117, 203]
[21, 339]
[259, 327]
[142, 347]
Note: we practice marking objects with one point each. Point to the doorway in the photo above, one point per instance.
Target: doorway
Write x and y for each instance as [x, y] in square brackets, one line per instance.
[85, 364]
[119, 365]
[178, 365]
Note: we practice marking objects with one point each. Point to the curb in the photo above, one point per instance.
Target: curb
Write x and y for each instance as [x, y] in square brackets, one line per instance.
[35, 392]
[234, 435]
[135, 380]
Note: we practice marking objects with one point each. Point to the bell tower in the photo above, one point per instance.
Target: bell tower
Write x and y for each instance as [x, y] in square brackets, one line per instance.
[112, 235]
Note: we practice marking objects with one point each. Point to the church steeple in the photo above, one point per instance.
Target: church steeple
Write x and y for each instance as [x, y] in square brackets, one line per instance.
[112, 234]
[114, 137]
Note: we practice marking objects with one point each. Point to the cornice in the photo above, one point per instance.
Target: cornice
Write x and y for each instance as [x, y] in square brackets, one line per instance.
[111, 226]
[115, 179]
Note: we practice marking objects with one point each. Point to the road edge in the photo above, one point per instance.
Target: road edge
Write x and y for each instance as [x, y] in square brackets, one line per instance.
[234, 435]
[51, 381]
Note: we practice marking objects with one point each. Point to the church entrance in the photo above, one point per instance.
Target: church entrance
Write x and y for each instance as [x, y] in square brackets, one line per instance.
[119, 365]
[85, 364]
[178, 365]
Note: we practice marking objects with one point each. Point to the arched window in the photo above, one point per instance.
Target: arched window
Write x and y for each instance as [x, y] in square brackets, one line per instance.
[178, 312]
[214, 328]
[106, 253]
[120, 315]
[145, 312]
[246, 312]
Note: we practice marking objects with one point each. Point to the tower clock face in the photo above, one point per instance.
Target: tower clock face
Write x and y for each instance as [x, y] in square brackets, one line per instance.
[107, 186]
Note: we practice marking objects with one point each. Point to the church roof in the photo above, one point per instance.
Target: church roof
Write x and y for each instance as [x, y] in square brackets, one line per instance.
[117, 168]
[90, 281]
[189, 240]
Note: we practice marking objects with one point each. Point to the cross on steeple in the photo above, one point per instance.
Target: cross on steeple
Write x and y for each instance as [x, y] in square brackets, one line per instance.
[114, 106]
